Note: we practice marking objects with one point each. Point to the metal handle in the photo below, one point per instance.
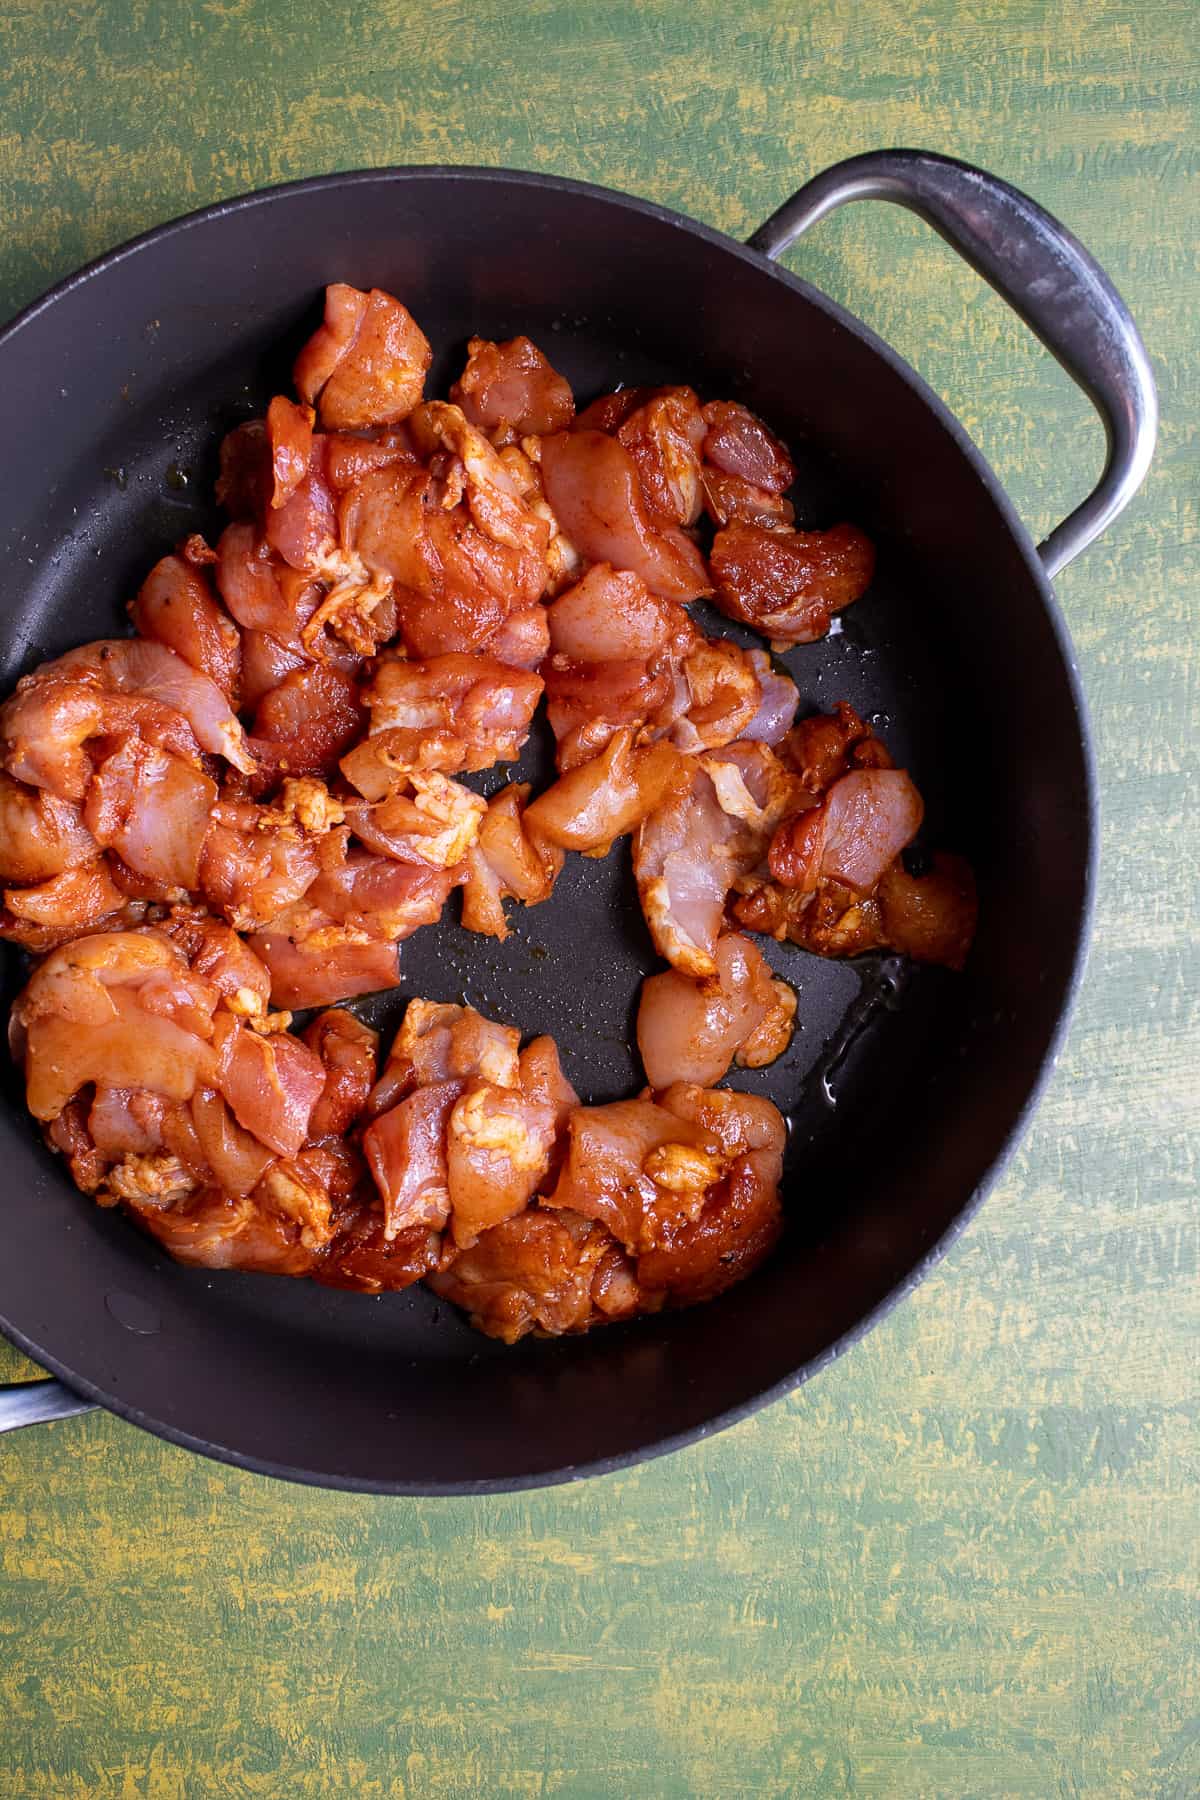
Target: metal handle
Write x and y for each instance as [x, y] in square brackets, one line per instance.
[1046, 276]
[34, 1402]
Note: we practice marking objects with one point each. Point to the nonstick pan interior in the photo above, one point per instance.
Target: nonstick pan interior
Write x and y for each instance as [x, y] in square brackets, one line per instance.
[902, 1086]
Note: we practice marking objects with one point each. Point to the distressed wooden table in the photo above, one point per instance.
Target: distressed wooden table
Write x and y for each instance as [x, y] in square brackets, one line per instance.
[964, 1561]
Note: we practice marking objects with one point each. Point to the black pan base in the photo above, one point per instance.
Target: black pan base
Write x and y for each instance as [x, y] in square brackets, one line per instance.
[115, 393]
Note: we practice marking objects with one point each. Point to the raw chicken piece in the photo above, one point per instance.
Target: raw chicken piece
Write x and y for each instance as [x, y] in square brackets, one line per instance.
[464, 1129]
[127, 1121]
[837, 885]
[260, 589]
[441, 1042]
[508, 860]
[176, 606]
[499, 1145]
[615, 648]
[777, 705]
[932, 916]
[118, 687]
[363, 1259]
[290, 438]
[612, 616]
[592, 485]
[522, 640]
[367, 361]
[734, 1232]
[728, 500]
[40, 835]
[592, 805]
[305, 723]
[509, 390]
[589, 702]
[492, 495]
[349, 1050]
[231, 1156]
[691, 1030]
[426, 818]
[859, 828]
[351, 455]
[485, 704]
[272, 1083]
[217, 953]
[212, 1230]
[256, 861]
[664, 437]
[120, 1008]
[724, 695]
[826, 745]
[563, 561]
[52, 912]
[686, 856]
[547, 1272]
[690, 852]
[455, 584]
[153, 674]
[246, 481]
[154, 810]
[739, 444]
[788, 585]
[614, 1155]
[315, 961]
[266, 659]
[301, 525]
[624, 657]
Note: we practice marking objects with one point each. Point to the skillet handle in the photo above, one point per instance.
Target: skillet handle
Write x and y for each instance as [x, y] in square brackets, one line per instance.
[1046, 276]
[35, 1402]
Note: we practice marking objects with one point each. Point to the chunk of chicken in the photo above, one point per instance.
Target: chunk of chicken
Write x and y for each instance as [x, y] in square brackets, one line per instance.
[691, 1030]
[859, 828]
[316, 961]
[154, 810]
[686, 856]
[788, 585]
[591, 806]
[739, 444]
[306, 722]
[271, 1083]
[366, 363]
[364, 1259]
[52, 912]
[176, 606]
[510, 390]
[349, 1051]
[592, 485]
[290, 440]
[117, 687]
[510, 860]
[120, 1008]
[442, 1042]
[426, 818]
[664, 437]
[256, 861]
[545, 1272]
[476, 702]
[40, 835]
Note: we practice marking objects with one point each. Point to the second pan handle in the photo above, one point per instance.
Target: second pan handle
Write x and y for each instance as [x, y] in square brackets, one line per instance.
[1044, 273]
[36, 1402]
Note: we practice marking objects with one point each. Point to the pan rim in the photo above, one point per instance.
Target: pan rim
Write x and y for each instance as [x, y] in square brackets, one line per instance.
[536, 181]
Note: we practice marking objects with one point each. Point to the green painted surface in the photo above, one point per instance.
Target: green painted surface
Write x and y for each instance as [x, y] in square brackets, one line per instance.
[964, 1562]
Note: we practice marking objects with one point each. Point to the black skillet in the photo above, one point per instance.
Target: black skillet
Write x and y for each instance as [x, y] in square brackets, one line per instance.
[905, 1091]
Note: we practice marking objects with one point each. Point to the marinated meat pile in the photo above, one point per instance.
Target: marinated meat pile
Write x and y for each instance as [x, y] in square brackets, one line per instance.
[241, 812]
